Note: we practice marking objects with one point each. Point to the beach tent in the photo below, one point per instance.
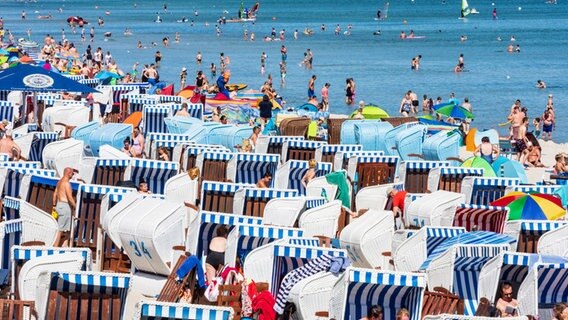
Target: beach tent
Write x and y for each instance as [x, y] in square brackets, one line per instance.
[464, 263]
[166, 310]
[85, 293]
[433, 209]
[154, 172]
[273, 144]
[206, 223]
[554, 242]
[300, 149]
[450, 178]
[483, 190]
[28, 78]
[358, 289]
[414, 173]
[271, 262]
[290, 174]
[251, 167]
[219, 196]
[253, 201]
[482, 218]
[341, 158]
[327, 152]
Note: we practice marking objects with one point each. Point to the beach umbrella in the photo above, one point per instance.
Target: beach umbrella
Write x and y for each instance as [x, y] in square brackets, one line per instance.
[507, 168]
[107, 76]
[531, 206]
[478, 162]
[454, 111]
[307, 107]
[372, 112]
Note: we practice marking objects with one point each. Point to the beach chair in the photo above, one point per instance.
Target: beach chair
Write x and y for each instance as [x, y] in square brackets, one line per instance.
[17, 309]
[300, 150]
[82, 132]
[112, 134]
[39, 141]
[441, 301]
[483, 191]
[334, 130]
[10, 235]
[244, 238]
[213, 165]
[289, 175]
[442, 146]
[154, 172]
[93, 83]
[358, 289]
[163, 310]
[327, 152]
[365, 171]
[450, 178]
[370, 134]
[109, 172]
[174, 289]
[202, 229]
[528, 232]
[312, 294]
[366, 237]
[251, 167]
[271, 262]
[38, 191]
[446, 316]
[148, 229]
[483, 218]
[341, 159]
[7, 111]
[535, 280]
[323, 221]
[180, 125]
[82, 295]
[187, 153]
[464, 262]
[414, 174]
[554, 242]
[153, 137]
[391, 137]
[86, 229]
[230, 137]
[294, 127]
[273, 144]
[219, 196]
[11, 179]
[284, 212]
[546, 189]
[376, 197]
[61, 154]
[253, 201]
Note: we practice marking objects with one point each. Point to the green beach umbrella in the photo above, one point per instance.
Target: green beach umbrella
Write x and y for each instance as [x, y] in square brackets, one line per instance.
[478, 162]
[372, 112]
[457, 112]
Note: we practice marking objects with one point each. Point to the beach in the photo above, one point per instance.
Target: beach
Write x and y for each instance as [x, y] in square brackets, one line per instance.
[380, 65]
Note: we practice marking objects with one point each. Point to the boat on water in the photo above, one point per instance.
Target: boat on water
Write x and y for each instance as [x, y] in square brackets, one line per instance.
[245, 14]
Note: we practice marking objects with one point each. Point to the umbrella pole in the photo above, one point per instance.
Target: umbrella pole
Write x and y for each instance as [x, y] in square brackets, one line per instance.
[34, 99]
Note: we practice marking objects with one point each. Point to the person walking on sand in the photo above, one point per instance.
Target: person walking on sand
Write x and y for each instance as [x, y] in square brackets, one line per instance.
[64, 205]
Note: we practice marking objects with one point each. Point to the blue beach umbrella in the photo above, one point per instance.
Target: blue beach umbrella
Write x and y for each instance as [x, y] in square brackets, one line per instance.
[29, 78]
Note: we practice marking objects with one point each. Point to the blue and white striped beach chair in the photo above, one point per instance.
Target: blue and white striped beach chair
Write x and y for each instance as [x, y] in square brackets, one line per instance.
[213, 165]
[366, 171]
[450, 178]
[483, 190]
[93, 83]
[414, 174]
[40, 140]
[300, 150]
[273, 144]
[38, 191]
[187, 153]
[326, 152]
[152, 137]
[181, 311]
[7, 111]
[341, 158]
[219, 196]
[109, 172]
[11, 179]
[206, 224]
[136, 103]
[10, 235]
[359, 289]
[250, 167]
[290, 174]
[82, 295]
[154, 172]
[252, 201]
[528, 232]
[554, 242]
[546, 189]
[153, 118]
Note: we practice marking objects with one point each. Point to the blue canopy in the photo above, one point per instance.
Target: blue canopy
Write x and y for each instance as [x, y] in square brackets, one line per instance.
[25, 77]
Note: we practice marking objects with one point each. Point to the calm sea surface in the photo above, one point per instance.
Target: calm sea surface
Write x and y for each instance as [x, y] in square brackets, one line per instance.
[380, 65]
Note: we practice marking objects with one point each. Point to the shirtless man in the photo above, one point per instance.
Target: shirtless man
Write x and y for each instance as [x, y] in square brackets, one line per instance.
[183, 112]
[516, 118]
[64, 205]
[8, 146]
[507, 305]
[532, 156]
[311, 86]
[264, 182]
[151, 74]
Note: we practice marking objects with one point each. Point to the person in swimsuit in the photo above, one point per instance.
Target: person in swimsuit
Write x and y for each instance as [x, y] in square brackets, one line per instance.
[216, 254]
[548, 122]
[264, 182]
[406, 105]
[532, 156]
[311, 87]
[348, 92]
[310, 174]
[163, 154]
[64, 205]
[137, 143]
[486, 150]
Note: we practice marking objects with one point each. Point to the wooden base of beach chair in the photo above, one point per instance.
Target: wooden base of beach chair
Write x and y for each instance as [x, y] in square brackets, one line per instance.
[301, 154]
[175, 290]
[214, 170]
[294, 127]
[334, 130]
[217, 201]
[528, 243]
[255, 207]
[16, 309]
[230, 296]
[441, 301]
[78, 306]
[108, 175]
[451, 183]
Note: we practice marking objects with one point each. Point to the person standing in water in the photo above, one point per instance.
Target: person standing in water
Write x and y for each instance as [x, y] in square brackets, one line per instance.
[311, 87]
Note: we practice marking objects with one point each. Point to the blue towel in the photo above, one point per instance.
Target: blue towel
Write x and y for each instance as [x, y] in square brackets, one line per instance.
[189, 264]
[339, 264]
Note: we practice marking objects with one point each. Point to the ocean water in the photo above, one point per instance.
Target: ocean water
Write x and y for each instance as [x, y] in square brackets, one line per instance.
[380, 65]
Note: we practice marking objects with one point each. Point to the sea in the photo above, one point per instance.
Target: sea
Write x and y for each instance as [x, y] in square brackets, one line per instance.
[379, 64]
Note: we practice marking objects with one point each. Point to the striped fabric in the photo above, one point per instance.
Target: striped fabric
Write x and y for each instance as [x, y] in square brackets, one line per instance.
[51, 102]
[251, 167]
[4, 157]
[436, 235]
[153, 117]
[164, 310]
[482, 218]
[378, 159]
[136, 104]
[48, 96]
[298, 170]
[217, 156]
[304, 144]
[197, 149]
[458, 171]
[164, 99]
[468, 261]
[90, 282]
[11, 208]
[254, 235]
[10, 235]
[155, 173]
[40, 140]
[475, 237]
[537, 228]
[392, 291]
[424, 165]
[14, 178]
[112, 162]
[93, 83]
[120, 89]
[151, 136]
[486, 190]
[223, 186]
[304, 242]
[255, 193]
[538, 189]
[210, 221]
[4, 95]
[552, 282]
[315, 202]
[26, 165]
[195, 110]
[275, 140]
[6, 111]
[515, 266]
[335, 148]
[75, 77]
[348, 154]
